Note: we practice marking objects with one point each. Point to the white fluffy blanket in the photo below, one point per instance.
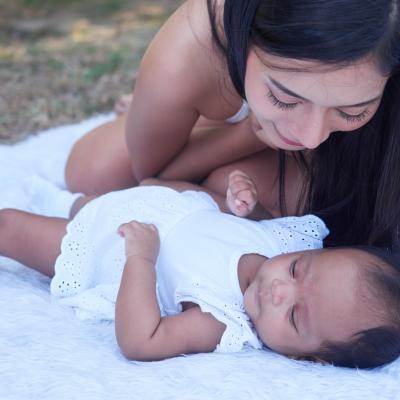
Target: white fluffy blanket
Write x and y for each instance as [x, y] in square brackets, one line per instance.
[47, 353]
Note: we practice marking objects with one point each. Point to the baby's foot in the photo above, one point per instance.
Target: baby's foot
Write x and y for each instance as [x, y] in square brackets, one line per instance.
[122, 104]
[48, 199]
[13, 195]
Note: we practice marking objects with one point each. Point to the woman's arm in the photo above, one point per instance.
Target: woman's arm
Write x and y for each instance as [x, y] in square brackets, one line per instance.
[180, 78]
[181, 186]
[210, 148]
[165, 105]
[224, 199]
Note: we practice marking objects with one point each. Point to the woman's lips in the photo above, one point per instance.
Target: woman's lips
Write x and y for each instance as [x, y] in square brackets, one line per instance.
[288, 141]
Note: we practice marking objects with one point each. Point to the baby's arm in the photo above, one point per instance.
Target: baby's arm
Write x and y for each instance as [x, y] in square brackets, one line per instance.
[141, 332]
[137, 314]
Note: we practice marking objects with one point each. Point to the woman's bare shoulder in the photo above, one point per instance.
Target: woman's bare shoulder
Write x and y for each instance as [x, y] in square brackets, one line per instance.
[184, 56]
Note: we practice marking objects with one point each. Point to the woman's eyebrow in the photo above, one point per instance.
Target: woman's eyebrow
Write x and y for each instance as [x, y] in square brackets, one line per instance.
[286, 90]
[363, 103]
[293, 94]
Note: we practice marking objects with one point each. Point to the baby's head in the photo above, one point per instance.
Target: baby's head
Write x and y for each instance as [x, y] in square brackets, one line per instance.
[339, 306]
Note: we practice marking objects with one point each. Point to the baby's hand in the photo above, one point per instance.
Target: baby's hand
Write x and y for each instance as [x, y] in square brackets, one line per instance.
[141, 240]
[241, 196]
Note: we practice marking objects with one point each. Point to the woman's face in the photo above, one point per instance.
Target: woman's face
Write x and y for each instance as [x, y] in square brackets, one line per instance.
[298, 104]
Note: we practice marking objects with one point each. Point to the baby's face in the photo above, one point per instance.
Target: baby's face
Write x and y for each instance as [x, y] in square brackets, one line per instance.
[299, 300]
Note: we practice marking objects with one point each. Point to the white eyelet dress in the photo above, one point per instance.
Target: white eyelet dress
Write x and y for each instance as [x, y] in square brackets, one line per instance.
[199, 254]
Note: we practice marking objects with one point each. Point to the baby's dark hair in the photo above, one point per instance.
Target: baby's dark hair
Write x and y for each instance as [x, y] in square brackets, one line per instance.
[379, 345]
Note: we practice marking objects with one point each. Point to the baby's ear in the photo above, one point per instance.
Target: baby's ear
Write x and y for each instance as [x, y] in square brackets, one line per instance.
[309, 358]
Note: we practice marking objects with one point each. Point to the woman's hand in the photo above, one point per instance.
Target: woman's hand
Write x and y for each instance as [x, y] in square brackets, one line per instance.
[241, 196]
[141, 240]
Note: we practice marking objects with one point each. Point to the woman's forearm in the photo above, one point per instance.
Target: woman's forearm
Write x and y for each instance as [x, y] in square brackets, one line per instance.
[137, 313]
[181, 186]
[257, 214]
[211, 148]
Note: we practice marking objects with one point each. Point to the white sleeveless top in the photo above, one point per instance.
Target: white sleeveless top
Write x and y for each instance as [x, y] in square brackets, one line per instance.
[242, 114]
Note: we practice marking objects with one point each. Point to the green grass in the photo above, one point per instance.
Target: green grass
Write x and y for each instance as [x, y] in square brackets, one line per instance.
[98, 7]
[111, 64]
[54, 76]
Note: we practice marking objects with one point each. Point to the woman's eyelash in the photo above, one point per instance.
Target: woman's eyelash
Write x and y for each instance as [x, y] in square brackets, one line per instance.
[290, 106]
[354, 118]
[280, 104]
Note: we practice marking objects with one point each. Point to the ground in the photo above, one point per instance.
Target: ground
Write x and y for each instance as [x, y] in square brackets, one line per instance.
[64, 60]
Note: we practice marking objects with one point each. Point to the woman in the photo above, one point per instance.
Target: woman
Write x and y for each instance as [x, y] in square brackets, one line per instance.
[322, 82]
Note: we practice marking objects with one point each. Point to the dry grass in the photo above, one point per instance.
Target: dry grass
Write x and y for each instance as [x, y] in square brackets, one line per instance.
[61, 61]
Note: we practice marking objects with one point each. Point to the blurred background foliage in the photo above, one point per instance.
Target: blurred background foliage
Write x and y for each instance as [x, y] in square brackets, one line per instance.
[64, 60]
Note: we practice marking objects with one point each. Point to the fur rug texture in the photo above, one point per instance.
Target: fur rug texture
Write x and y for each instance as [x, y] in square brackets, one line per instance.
[47, 353]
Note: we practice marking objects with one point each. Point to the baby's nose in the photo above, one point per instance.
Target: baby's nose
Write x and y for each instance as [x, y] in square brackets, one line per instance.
[280, 292]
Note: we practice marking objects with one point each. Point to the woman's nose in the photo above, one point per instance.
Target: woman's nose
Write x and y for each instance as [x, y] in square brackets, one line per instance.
[310, 130]
[281, 292]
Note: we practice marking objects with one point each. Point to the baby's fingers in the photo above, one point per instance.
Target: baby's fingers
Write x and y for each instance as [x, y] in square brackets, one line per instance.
[240, 208]
[237, 174]
[247, 196]
[134, 227]
[247, 201]
[122, 229]
[242, 185]
[127, 228]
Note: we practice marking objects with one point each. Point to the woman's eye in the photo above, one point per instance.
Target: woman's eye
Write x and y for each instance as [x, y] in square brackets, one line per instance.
[280, 104]
[293, 269]
[354, 118]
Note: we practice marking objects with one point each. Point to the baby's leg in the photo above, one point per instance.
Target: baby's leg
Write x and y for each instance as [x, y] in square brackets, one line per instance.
[48, 199]
[79, 203]
[30, 239]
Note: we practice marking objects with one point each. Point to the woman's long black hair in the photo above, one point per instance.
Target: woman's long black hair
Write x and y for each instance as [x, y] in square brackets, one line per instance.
[353, 178]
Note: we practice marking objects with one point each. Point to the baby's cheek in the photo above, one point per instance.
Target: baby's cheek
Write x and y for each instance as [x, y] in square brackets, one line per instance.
[274, 336]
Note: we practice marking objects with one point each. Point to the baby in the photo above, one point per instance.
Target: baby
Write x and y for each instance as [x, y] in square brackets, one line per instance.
[180, 277]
